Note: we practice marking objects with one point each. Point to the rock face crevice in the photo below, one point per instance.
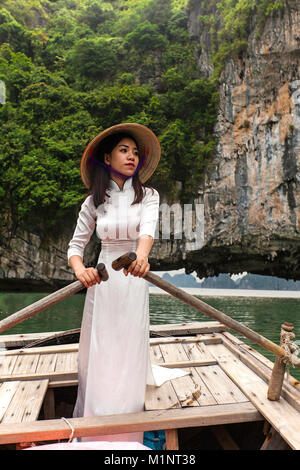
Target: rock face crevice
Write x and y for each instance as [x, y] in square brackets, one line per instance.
[251, 193]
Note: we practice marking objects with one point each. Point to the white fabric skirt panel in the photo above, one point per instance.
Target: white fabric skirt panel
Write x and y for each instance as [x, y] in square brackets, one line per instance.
[114, 356]
[114, 344]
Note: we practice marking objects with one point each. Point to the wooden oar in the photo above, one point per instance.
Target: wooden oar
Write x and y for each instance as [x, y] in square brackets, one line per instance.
[49, 300]
[125, 260]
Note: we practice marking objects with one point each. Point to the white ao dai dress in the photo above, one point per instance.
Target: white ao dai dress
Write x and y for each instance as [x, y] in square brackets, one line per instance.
[114, 362]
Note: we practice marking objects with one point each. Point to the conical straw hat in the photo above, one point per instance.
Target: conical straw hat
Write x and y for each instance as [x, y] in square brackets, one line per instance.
[148, 144]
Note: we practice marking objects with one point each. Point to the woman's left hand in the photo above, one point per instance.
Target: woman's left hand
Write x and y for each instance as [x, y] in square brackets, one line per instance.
[139, 268]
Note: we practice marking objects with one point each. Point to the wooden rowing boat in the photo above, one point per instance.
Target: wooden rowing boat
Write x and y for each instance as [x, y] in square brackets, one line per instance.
[232, 411]
[232, 398]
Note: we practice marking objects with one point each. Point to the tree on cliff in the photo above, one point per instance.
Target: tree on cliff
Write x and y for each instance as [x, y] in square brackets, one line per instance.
[73, 67]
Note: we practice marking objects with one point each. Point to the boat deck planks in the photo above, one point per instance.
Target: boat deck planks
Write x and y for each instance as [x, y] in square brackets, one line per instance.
[283, 417]
[229, 375]
[21, 401]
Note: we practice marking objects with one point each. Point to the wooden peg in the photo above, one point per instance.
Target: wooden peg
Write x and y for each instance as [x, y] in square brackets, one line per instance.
[276, 380]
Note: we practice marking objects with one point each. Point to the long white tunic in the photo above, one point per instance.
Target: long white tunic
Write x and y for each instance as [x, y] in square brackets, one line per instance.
[114, 362]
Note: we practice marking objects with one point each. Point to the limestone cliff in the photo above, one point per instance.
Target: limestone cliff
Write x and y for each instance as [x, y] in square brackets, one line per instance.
[252, 196]
[251, 193]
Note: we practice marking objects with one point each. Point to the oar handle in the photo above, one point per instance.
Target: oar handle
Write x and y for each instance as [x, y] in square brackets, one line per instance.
[102, 271]
[123, 262]
[48, 301]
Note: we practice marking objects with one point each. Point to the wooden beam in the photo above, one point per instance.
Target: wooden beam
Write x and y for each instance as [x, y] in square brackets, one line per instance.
[172, 439]
[224, 438]
[262, 367]
[192, 328]
[49, 404]
[21, 339]
[207, 338]
[274, 441]
[191, 363]
[52, 376]
[50, 430]
[281, 415]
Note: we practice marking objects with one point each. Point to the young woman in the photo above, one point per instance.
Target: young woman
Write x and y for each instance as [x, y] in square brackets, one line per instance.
[113, 361]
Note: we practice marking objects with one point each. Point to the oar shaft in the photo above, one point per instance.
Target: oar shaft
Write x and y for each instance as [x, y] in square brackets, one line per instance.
[48, 301]
[215, 314]
[125, 260]
[40, 305]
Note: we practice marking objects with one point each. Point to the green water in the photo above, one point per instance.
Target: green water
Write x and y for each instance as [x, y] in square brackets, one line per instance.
[263, 315]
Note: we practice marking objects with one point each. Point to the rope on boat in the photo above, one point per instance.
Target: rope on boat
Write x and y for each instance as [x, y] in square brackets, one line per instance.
[291, 349]
[72, 428]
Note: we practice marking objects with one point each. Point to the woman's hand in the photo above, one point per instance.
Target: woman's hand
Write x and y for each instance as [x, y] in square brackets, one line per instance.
[139, 268]
[88, 276]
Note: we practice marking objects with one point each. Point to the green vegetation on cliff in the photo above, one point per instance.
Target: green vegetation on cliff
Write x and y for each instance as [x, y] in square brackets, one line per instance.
[230, 23]
[74, 67]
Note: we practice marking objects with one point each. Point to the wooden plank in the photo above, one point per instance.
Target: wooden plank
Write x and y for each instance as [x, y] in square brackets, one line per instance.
[254, 362]
[21, 339]
[220, 386]
[46, 363]
[155, 354]
[200, 338]
[197, 351]
[269, 364]
[187, 390]
[205, 398]
[280, 414]
[175, 355]
[66, 362]
[232, 337]
[189, 328]
[7, 364]
[132, 422]
[26, 402]
[64, 381]
[173, 352]
[161, 398]
[7, 391]
[59, 348]
[26, 364]
[189, 363]
[51, 376]
[74, 361]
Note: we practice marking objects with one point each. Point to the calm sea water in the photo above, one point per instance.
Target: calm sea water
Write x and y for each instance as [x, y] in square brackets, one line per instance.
[263, 315]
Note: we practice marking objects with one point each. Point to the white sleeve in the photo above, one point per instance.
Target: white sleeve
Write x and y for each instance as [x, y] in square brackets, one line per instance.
[84, 229]
[150, 213]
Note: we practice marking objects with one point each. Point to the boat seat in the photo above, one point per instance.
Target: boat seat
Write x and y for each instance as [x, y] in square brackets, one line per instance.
[21, 400]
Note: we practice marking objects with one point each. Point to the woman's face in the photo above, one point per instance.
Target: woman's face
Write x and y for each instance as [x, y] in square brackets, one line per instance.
[124, 158]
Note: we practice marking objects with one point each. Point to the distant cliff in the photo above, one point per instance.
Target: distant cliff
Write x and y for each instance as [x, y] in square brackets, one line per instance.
[224, 281]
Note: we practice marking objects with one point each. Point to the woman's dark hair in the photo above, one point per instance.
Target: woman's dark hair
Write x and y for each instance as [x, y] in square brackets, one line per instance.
[99, 175]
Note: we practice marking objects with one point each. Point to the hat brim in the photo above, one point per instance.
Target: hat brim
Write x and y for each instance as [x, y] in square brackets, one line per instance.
[148, 144]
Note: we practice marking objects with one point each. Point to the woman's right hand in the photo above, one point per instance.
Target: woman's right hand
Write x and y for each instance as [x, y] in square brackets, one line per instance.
[88, 276]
